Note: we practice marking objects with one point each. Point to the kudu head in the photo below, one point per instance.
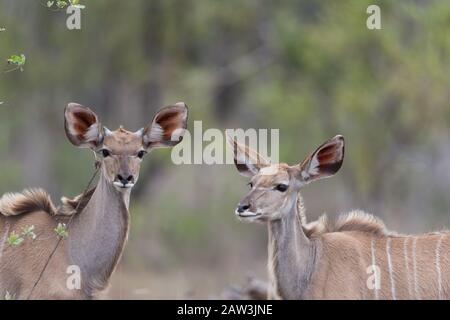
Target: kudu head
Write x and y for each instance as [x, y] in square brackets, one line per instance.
[274, 187]
[121, 151]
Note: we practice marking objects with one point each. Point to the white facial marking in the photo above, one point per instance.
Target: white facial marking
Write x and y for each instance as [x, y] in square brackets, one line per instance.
[121, 186]
[246, 214]
[269, 171]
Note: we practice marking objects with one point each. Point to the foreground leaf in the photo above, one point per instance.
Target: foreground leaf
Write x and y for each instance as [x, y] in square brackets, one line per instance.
[17, 60]
[14, 239]
[28, 231]
[61, 230]
[61, 4]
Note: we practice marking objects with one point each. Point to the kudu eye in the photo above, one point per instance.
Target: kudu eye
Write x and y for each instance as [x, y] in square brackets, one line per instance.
[141, 154]
[105, 153]
[250, 185]
[281, 187]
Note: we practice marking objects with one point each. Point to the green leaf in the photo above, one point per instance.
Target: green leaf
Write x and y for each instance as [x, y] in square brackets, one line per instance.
[76, 4]
[50, 4]
[17, 60]
[2, 29]
[1, 102]
[28, 231]
[61, 230]
[14, 239]
[61, 4]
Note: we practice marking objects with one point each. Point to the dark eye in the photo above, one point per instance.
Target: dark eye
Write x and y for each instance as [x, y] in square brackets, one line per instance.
[281, 187]
[250, 185]
[105, 153]
[141, 154]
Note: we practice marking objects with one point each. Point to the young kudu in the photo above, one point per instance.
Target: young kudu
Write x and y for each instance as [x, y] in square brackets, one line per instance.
[99, 229]
[355, 258]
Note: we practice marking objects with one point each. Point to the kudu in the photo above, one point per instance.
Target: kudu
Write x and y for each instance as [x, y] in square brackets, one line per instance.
[354, 258]
[99, 229]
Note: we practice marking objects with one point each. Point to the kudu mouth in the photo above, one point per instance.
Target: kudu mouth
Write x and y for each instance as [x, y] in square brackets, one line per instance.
[246, 214]
[122, 186]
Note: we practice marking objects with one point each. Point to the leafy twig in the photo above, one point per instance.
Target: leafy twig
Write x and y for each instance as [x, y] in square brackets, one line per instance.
[28, 231]
[16, 60]
[61, 230]
[14, 239]
[61, 4]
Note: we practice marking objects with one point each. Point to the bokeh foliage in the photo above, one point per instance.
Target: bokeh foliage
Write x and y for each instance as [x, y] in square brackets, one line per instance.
[310, 68]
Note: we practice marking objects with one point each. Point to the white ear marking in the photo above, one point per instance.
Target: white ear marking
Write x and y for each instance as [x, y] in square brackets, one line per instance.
[107, 131]
[92, 133]
[156, 133]
[140, 132]
[313, 168]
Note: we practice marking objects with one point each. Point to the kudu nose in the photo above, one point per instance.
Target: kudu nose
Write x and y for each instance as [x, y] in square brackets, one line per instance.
[125, 179]
[243, 207]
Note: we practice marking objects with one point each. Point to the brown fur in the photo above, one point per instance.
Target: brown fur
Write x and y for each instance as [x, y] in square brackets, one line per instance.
[342, 270]
[30, 200]
[353, 221]
[77, 204]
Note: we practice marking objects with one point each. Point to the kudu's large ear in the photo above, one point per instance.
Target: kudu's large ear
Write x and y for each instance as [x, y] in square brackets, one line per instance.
[167, 127]
[248, 162]
[325, 161]
[82, 126]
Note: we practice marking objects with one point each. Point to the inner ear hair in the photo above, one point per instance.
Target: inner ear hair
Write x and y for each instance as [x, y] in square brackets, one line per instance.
[325, 160]
[82, 126]
[168, 123]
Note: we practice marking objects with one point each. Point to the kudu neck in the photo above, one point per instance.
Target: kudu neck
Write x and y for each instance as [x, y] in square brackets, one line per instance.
[291, 253]
[98, 234]
[291, 222]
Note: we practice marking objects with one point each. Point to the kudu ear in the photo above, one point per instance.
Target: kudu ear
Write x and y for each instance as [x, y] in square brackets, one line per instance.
[248, 162]
[82, 126]
[167, 127]
[325, 161]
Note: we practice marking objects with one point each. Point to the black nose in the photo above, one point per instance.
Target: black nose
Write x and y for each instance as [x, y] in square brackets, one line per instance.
[124, 180]
[243, 207]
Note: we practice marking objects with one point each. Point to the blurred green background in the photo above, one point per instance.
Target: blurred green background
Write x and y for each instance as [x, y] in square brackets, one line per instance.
[310, 68]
